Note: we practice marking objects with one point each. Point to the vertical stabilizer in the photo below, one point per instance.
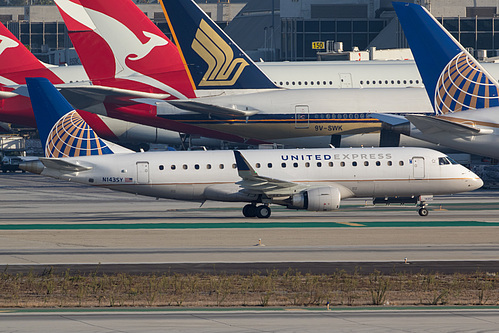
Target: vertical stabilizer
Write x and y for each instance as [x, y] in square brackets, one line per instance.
[214, 60]
[453, 79]
[17, 62]
[120, 47]
[62, 131]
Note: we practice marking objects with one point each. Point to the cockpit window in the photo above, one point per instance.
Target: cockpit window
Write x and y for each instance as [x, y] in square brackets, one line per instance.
[443, 161]
[451, 160]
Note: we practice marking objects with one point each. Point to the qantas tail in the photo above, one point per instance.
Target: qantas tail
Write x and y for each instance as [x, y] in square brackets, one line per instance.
[120, 47]
[17, 62]
[62, 131]
[453, 79]
[214, 60]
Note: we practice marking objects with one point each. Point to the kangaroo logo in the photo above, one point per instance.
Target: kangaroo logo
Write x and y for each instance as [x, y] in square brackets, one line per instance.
[223, 69]
[7, 43]
[71, 136]
[462, 85]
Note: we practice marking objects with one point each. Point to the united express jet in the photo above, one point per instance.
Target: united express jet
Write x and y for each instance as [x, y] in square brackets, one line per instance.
[311, 179]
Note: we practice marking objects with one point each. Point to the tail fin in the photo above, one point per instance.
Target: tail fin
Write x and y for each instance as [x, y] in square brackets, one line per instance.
[61, 129]
[17, 62]
[119, 46]
[214, 60]
[454, 80]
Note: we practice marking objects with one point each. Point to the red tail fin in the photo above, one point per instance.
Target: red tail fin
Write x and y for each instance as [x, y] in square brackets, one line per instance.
[16, 62]
[120, 47]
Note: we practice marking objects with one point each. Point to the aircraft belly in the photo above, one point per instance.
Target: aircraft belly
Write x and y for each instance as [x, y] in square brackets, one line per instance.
[282, 130]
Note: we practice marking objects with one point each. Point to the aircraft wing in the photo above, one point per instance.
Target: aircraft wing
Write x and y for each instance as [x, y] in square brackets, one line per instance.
[195, 106]
[62, 165]
[82, 97]
[255, 184]
[7, 94]
[436, 124]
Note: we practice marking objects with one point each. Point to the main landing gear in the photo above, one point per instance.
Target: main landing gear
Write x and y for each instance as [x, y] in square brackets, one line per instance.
[252, 210]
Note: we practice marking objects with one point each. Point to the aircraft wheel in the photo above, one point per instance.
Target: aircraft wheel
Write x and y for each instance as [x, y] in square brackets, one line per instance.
[263, 212]
[423, 212]
[249, 210]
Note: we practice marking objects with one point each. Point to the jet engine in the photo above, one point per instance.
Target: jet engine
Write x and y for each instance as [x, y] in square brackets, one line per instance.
[317, 199]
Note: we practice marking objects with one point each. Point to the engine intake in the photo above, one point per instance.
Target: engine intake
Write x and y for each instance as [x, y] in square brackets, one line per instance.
[317, 199]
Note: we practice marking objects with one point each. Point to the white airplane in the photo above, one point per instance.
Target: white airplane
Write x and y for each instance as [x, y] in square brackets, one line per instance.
[463, 94]
[312, 179]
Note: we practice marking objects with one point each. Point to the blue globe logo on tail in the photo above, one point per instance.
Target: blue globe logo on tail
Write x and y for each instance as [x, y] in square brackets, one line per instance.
[71, 136]
[462, 85]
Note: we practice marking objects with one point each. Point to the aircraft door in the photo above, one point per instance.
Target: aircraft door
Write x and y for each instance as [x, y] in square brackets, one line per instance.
[301, 116]
[345, 80]
[418, 167]
[142, 172]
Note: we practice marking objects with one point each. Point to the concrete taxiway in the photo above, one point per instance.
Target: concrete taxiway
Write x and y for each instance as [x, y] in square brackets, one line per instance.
[46, 221]
[297, 320]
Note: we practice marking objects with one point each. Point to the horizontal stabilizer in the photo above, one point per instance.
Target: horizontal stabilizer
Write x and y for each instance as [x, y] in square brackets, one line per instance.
[194, 106]
[434, 125]
[63, 165]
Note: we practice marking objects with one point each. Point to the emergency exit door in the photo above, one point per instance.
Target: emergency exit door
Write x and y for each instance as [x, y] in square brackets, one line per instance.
[142, 172]
[418, 167]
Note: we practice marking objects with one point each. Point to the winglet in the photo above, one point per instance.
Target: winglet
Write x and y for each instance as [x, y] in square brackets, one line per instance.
[244, 169]
[62, 130]
[213, 59]
[453, 79]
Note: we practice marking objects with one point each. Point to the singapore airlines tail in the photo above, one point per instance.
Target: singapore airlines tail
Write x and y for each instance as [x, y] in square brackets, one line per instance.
[453, 79]
[214, 60]
[62, 130]
[120, 47]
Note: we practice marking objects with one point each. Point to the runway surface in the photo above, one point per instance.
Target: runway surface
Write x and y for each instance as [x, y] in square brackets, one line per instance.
[414, 320]
[50, 222]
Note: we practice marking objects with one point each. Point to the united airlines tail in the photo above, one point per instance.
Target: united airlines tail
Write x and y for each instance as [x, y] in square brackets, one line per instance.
[62, 131]
[453, 79]
[213, 59]
[120, 47]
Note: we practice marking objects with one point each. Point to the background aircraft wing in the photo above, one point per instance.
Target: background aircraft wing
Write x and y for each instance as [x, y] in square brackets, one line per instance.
[433, 125]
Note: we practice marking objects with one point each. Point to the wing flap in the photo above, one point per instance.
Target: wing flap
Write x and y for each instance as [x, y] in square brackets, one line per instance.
[203, 108]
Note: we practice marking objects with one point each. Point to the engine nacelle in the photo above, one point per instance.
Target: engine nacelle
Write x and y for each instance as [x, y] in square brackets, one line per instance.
[317, 199]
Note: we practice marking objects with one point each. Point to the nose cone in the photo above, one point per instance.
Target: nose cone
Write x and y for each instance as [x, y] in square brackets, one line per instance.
[34, 166]
[473, 182]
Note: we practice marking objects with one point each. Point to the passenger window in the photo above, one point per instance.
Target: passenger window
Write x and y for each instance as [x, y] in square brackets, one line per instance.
[234, 165]
[161, 167]
[417, 81]
[311, 83]
[269, 165]
[354, 163]
[330, 83]
[283, 164]
[305, 83]
[366, 163]
[401, 163]
[342, 164]
[374, 82]
[380, 82]
[318, 83]
[410, 81]
[319, 164]
[389, 163]
[392, 82]
[173, 167]
[378, 163]
[386, 81]
[299, 83]
[221, 166]
[295, 165]
[405, 82]
[398, 81]
[258, 165]
[331, 164]
[287, 83]
[280, 83]
[196, 166]
[307, 164]
[361, 82]
[185, 166]
[208, 166]
[293, 83]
